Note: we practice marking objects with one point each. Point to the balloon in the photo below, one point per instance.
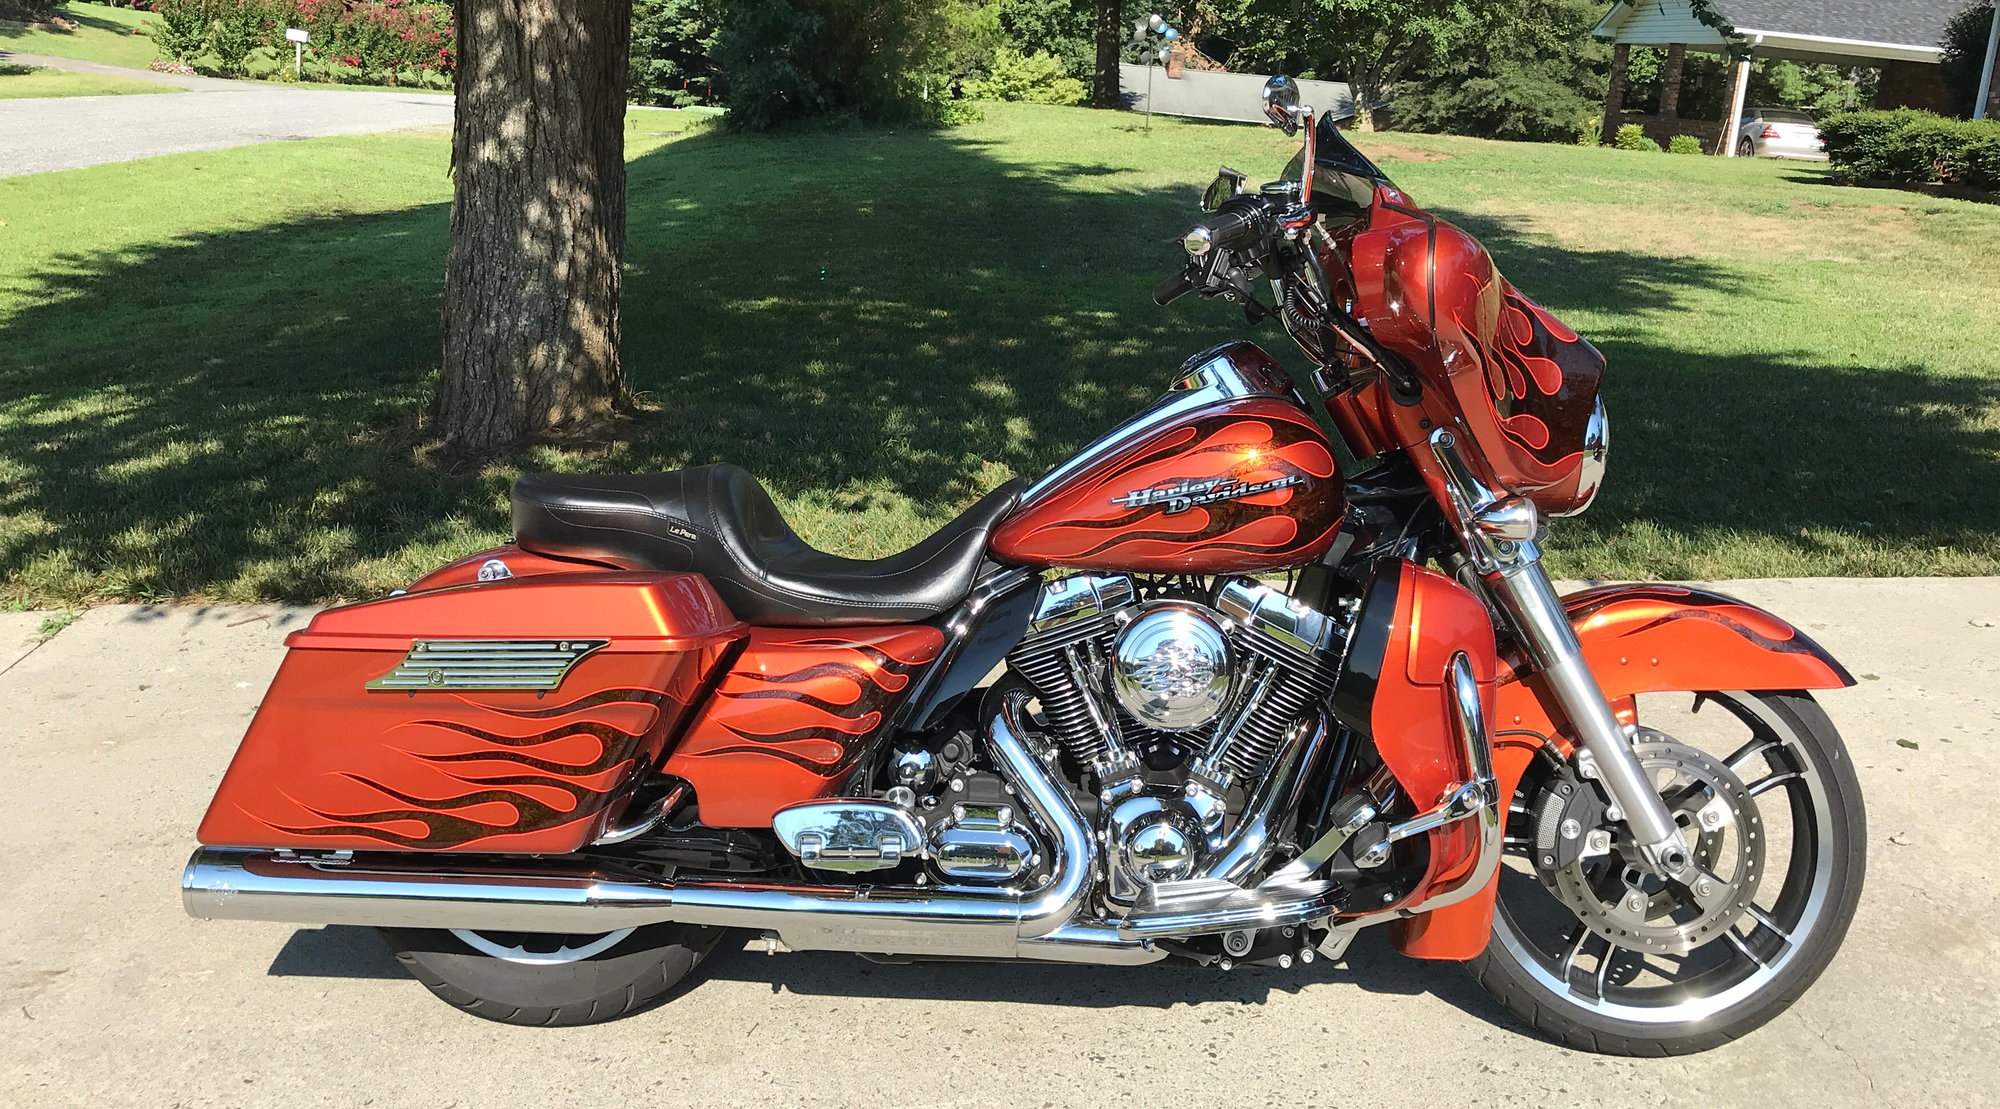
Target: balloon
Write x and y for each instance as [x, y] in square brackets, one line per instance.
[1171, 34]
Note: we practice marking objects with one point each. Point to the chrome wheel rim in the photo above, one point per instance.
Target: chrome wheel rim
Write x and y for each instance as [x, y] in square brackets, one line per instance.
[1580, 966]
[532, 949]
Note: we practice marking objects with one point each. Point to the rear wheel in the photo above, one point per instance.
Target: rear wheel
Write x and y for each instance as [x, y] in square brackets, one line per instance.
[1594, 951]
[1746, 149]
[541, 979]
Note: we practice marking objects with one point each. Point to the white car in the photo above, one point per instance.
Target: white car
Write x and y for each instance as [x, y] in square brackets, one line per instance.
[1779, 133]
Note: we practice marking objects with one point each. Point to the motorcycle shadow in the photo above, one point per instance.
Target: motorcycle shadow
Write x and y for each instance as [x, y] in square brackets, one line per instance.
[342, 951]
[1370, 964]
[335, 951]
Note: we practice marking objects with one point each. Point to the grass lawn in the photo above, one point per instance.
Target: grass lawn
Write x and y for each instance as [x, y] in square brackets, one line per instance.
[104, 34]
[29, 82]
[208, 362]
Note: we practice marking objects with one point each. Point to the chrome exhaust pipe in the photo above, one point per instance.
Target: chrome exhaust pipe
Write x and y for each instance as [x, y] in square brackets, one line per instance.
[408, 891]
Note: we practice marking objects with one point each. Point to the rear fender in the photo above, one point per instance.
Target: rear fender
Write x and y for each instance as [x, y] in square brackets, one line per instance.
[1637, 639]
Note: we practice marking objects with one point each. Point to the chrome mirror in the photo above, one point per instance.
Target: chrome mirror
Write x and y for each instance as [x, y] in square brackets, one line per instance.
[1281, 103]
[1228, 182]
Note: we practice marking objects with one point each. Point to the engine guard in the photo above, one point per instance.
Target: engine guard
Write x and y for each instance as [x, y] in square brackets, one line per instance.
[1637, 639]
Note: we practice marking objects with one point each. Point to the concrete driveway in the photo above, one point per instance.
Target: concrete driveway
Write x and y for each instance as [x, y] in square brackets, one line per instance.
[37, 136]
[113, 733]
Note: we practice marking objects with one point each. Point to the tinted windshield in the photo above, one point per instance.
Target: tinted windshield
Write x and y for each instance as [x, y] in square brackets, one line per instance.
[1343, 177]
[1781, 115]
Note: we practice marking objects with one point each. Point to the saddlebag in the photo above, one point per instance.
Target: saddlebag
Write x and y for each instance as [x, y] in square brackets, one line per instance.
[507, 716]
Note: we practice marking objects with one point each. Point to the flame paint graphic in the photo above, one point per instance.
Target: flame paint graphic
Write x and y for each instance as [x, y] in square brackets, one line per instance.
[517, 783]
[1089, 523]
[1675, 603]
[1530, 362]
[808, 698]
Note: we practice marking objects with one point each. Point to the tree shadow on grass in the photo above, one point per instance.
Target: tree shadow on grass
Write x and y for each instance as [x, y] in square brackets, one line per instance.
[882, 326]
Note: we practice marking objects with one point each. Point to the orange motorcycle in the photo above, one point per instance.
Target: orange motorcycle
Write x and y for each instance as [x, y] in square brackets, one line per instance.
[1201, 694]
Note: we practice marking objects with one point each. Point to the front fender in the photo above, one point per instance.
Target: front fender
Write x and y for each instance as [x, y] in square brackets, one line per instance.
[1656, 638]
[1637, 639]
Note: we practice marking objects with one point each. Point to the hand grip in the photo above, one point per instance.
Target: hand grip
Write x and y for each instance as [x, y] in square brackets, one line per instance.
[1172, 289]
[1233, 228]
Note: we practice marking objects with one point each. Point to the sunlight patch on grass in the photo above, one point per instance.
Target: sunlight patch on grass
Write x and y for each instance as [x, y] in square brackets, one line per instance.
[42, 84]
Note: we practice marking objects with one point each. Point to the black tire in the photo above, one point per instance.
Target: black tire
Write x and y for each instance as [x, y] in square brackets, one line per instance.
[1818, 919]
[635, 973]
[1746, 149]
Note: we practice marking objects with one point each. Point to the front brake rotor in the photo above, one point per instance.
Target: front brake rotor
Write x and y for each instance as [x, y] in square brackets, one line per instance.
[1594, 870]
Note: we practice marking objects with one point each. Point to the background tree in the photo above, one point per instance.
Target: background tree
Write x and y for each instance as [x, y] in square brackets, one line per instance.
[1965, 54]
[1534, 75]
[867, 60]
[1370, 44]
[671, 45]
[1065, 29]
[1110, 38]
[537, 223]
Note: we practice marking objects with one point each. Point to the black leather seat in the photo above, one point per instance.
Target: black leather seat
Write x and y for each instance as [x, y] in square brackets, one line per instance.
[719, 522]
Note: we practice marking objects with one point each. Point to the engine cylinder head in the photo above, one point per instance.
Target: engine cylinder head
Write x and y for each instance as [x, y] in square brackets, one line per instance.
[1171, 667]
[1063, 657]
[1294, 654]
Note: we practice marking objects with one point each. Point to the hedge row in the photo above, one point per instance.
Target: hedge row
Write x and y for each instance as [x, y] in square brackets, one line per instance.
[383, 39]
[1914, 147]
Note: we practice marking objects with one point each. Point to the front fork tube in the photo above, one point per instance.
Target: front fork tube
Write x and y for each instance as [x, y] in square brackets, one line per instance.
[1542, 625]
[1498, 533]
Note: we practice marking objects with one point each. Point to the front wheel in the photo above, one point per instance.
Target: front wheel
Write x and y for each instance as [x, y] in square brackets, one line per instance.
[1595, 952]
[537, 979]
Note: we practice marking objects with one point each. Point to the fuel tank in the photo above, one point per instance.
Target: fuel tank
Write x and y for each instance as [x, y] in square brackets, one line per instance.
[1227, 474]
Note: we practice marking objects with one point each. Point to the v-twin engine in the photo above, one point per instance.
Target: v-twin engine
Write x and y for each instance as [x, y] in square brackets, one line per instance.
[1176, 704]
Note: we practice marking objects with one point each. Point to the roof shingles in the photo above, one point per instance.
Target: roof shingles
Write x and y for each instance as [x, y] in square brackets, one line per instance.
[1902, 22]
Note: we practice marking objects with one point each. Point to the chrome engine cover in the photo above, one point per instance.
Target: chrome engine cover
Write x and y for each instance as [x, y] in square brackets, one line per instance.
[848, 834]
[1172, 666]
[981, 843]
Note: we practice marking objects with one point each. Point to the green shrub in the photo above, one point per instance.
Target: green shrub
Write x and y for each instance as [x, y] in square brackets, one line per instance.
[864, 60]
[1913, 147]
[1979, 160]
[1037, 78]
[181, 28]
[1591, 132]
[1631, 136]
[31, 11]
[239, 27]
[1684, 144]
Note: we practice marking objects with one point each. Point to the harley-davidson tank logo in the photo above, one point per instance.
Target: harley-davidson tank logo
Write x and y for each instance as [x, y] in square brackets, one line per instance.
[1183, 495]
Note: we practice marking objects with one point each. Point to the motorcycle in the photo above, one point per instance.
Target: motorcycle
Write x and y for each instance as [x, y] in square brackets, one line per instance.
[1251, 698]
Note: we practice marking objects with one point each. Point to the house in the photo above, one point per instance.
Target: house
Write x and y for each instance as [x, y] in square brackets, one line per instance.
[1901, 38]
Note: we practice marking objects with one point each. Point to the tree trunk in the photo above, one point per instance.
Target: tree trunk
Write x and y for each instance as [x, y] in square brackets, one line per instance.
[1110, 39]
[537, 223]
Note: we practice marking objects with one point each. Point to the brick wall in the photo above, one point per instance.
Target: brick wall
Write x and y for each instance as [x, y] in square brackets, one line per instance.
[1913, 85]
[1662, 129]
